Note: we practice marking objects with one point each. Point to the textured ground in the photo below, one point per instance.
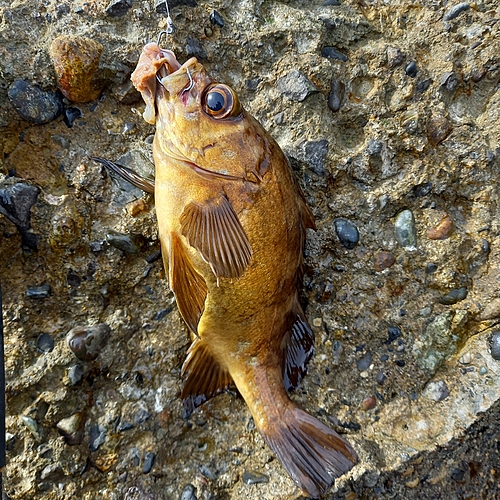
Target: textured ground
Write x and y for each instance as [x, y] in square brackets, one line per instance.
[389, 113]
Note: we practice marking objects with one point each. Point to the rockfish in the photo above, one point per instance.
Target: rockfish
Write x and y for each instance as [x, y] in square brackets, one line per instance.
[232, 222]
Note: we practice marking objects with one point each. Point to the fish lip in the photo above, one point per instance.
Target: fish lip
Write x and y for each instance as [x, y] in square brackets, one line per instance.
[173, 67]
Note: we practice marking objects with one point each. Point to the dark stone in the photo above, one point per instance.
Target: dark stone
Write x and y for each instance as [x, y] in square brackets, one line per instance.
[38, 292]
[331, 53]
[216, 19]
[34, 104]
[380, 378]
[87, 342]
[73, 279]
[421, 190]
[438, 129]
[188, 493]
[454, 296]
[495, 346]
[118, 8]
[431, 268]
[153, 257]
[97, 436]
[400, 362]
[455, 11]
[208, 473]
[75, 374]
[128, 243]
[333, 3]
[423, 86]
[450, 81]
[365, 362]
[161, 8]
[194, 48]
[394, 333]
[336, 95]
[45, 343]
[52, 472]
[347, 233]
[162, 313]
[411, 70]
[141, 416]
[295, 86]
[253, 83]
[251, 477]
[315, 153]
[71, 115]
[148, 463]
[374, 147]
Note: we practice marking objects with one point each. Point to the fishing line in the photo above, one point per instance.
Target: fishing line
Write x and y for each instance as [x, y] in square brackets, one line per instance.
[170, 26]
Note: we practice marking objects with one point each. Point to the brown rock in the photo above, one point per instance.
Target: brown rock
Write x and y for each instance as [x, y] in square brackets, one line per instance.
[75, 60]
[369, 403]
[442, 230]
[438, 129]
[384, 260]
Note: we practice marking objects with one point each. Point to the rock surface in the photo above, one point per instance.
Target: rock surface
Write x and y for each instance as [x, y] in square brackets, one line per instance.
[395, 126]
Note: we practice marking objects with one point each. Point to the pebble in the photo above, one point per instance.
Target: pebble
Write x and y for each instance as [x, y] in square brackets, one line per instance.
[495, 346]
[438, 129]
[449, 81]
[331, 53]
[466, 358]
[421, 190]
[137, 493]
[315, 153]
[455, 11]
[38, 292]
[436, 391]
[148, 463]
[128, 243]
[208, 473]
[216, 19]
[76, 373]
[383, 260]
[411, 70]
[406, 233]
[72, 428]
[394, 57]
[369, 403]
[336, 95]
[31, 424]
[188, 493]
[483, 370]
[194, 48]
[118, 8]
[45, 343]
[86, 342]
[454, 296]
[431, 268]
[34, 104]
[75, 59]
[442, 230]
[347, 233]
[295, 86]
[337, 350]
[380, 378]
[365, 362]
[423, 86]
[252, 477]
[97, 436]
[334, 3]
[52, 472]
[394, 333]
[71, 115]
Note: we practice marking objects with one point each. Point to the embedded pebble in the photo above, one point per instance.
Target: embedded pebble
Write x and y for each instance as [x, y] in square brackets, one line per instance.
[337, 350]
[455, 11]
[97, 436]
[71, 115]
[86, 342]
[380, 378]
[449, 81]
[194, 48]
[118, 8]
[72, 428]
[495, 346]
[208, 473]
[431, 268]
[295, 86]
[421, 190]
[436, 391]
[331, 53]
[34, 104]
[148, 463]
[411, 70]
[75, 59]
[76, 373]
[336, 95]
[394, 333]
[128, 243]
[466, 358]
[315, 153]
[369, 403]
[442, 230]
[38, 292]
[189, 493]
[216, 19]
[45, 343]
[347, 233]
[52, 472]
[32, 425]
[384, 260]
[454, 296]
[406, 233]
[394, 57]
[438, 129]
[365, 362]
[252, 477]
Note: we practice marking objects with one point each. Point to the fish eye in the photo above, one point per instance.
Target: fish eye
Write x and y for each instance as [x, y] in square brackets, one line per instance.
[220, 101]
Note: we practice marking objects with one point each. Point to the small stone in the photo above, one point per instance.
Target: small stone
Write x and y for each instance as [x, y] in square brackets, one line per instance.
[71, 115]
[76, 373]
[331, 53]
[337, 350]
[380, 378]
[369, 403]
[45, 343]
[436, 391]
[466, 358]
[431, 268]
[336, 95]
[34, 104]
[483, 370]
[406, 233]
[188, 493]
[449, 81]
[137, 207]
[394, 57]
[383, 260]
[315, 153]
[454, 296]
[52, 472]
[118, 8]
[442, 230]
[162, 313]
[438, 129]
[347, 233]
[365, 362]
[491, 311]
[38, 292]
[162, 9]
[394, 333]
[72, 428]
[252, 477]
[32, 426]
[455, 11]
[423, 86]
[208, 473]
[86, 342]
[495, 346]
[194, 48]
[421, 190]
[216, 19]
[44, 451]
[75, 60]
[295, 86]
[128, 243]
[148, 463]
[333, 3]
[97, 436]
[141, 416]
[126, 93]
[317, 322]
[253, 83]
[400, 363]
[411, 70]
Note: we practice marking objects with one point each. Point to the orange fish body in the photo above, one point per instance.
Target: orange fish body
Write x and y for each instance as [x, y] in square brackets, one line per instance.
[232, 223]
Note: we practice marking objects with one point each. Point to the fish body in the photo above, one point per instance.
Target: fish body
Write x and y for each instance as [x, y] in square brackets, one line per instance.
[232, 223]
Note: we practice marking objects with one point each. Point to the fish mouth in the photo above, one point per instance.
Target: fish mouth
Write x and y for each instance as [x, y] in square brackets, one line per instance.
[171, 67]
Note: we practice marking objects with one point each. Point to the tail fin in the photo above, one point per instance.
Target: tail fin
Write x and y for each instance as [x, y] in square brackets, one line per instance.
[313, 454]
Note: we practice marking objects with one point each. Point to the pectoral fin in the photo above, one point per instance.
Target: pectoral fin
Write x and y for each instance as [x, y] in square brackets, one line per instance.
[205, 377]
[187, 284]
[215, 231]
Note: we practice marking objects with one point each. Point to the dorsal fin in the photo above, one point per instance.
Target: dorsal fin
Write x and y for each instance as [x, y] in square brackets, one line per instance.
[215, 231]
[205, 377]
[187, 284]
[298, 348]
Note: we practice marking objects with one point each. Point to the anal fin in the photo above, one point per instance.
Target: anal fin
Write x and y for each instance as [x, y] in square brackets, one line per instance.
[205, 377]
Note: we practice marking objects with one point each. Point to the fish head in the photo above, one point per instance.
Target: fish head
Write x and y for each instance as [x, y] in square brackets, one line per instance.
[199, 120]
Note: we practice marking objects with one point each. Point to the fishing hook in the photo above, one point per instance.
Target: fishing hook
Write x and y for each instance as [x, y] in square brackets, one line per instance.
[191, 82]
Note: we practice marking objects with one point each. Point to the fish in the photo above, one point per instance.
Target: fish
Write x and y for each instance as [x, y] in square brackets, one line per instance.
[232, 223]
